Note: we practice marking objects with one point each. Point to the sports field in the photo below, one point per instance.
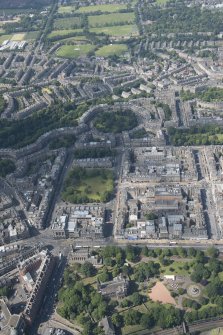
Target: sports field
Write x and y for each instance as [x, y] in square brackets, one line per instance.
[74, 51]
[161, 2]
[110, 19]
[102, 8]
[55, 33]
[111, 50]
[126, 30]
[31, 35]
[66, 9]
[67, 23]
[18, 37]
[74, 39]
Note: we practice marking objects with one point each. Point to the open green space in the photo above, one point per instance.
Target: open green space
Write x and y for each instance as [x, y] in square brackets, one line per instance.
[17, 11]
[17, 134]
[161, 2]
[133, 329]
[115, 122]
[217, 331]
[31, 35]
[110, 50]
[88, 185]
[74, 39]
[178, 268]
[110, 8]
[74, 22]
[125, 30]
[111, 19]
[141, 133]
[197, 135]
[66, 9]
[58, 33]
[24, 4]
[210, 94]
[137, 312]
[4, 38]
[74, 51]
[186, 19]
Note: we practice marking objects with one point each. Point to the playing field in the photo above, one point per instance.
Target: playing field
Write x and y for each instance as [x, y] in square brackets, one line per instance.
[18, 37]
[74, 39]
[110, 19]
[66, 9]
[31, 35]
[161, 2]
[56, 33]
[102, 8]
[68, 23]
[126, 30]
[74, 51]
[112, 49]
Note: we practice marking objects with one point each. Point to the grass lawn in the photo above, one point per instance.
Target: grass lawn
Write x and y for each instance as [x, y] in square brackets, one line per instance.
[66, 9]
[88, 185]
[55, 33]
[18, 37]
[161, 2]
[219, 136]
[4, 38]
[177, 269]
[109, 19]
[218, 331]
[68, 22]
[95, 187]
[132, 329]
[90, 280]
[74, 51]
[73, 39]
[102, 8]
[31, 35]
[126, 30]
[221, 275]
[112, 49]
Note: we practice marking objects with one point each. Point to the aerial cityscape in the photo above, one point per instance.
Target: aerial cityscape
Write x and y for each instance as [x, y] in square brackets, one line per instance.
[111, 167]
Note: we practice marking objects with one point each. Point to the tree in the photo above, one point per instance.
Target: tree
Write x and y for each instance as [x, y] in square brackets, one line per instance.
[147, 320]
[117, 320]
[200, 257]
[136, 298]
[104, 276]
[132, 317]
[145, 251]
[212, 252]
[214, 288]
[88, 269]
[132, 253]
[127, 270]
[196, 277]
[115, 271]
